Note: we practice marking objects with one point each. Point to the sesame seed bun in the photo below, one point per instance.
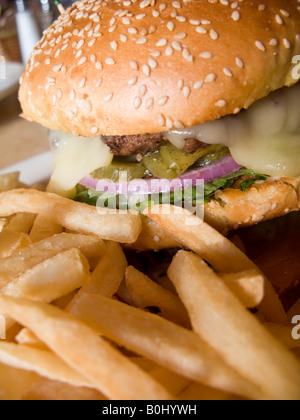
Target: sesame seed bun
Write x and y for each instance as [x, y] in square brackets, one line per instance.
[133, 67]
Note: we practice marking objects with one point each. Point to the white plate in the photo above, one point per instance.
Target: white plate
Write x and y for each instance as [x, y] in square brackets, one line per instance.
[12, 73]
[34, 170]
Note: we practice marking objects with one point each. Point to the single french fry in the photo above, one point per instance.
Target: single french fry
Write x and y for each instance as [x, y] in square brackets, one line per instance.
[248, 286]
[49, 390]
[14, 382]
[21, 222]
[9, 181]
[104, 366]
[161, 341]
[107, 276]
[215, 248]
[27, 258]
[145, 293]
[11, 242]
[43, 362]
[44, 228]
[119, 226]
[52, 278]
[220, 318]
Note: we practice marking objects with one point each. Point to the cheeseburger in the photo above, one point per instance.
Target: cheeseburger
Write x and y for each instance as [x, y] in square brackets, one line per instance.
[173, 90]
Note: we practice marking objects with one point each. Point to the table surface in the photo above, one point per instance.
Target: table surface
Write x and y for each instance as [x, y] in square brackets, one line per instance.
[19, 139]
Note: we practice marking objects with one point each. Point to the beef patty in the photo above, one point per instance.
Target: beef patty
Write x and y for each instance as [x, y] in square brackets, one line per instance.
[143, 143]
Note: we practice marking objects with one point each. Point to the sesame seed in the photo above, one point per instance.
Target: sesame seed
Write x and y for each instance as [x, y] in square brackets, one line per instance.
[98, 83]
[161, 42]
[186, 91]
[72, 95]
[94, 130]
[194, 22]
[161, 120]
[108, 97]
[143, 90]
[146, 70]
[286, 43]
[82, 82]
[149, 103]
[98, 65]
[181, 35]
[109, 61]
[214, 34]
[152, 63]
[260, 46]
[134, 65]
[210, 78]
[170, 26]
[169, 51]
[198, 85]
[92, 42]
[114, 45]
[227, 72]
[201, 30]
[162, 101]
[140, 16]
[206, 54]
[236, 16]
[132, 81]
[141, 41]
[176, 45]
[178, 124]
[169, 123]
[221, 103]
[137, 102]
[239, 62]
[123, 38]
[279, 19]
[82, 61]
[274, 42]
[180, 84]
[132, 30]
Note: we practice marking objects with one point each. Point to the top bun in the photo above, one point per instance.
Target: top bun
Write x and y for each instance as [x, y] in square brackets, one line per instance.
[133, 67]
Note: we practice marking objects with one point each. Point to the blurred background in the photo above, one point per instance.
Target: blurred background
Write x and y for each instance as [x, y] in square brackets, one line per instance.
[21, 26]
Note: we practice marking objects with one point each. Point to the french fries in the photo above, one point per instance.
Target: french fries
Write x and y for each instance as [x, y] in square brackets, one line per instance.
[69, 338]
[214, 248]
[29, 257]
[161, 341]
[217, 315]
[123, 227]
[185, 331]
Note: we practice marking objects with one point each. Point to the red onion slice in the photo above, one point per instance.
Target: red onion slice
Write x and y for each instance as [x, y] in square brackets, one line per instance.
[190, 178]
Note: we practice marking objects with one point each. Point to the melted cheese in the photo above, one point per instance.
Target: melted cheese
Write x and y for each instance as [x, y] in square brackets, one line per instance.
[73, 159]
[265, 138]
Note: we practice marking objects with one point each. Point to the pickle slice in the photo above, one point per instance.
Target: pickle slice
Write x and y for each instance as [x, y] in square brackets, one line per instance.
[158, 168]
[117, 170]
[180, 161]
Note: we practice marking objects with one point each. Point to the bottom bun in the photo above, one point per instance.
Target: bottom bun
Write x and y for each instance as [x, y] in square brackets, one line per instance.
[233, 209]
